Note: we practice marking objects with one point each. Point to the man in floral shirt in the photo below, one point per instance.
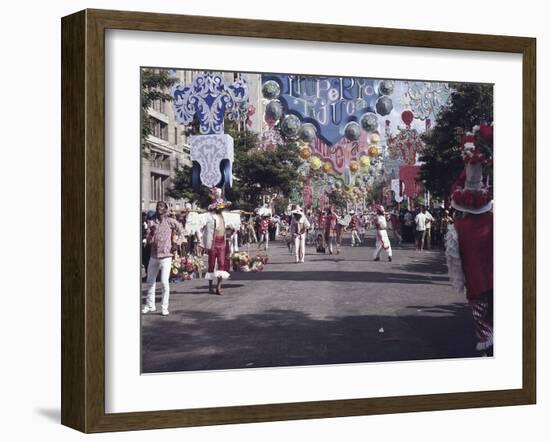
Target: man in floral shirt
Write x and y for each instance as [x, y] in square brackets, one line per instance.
[160, 236]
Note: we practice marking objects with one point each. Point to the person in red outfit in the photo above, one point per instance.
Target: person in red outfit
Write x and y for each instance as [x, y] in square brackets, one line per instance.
[263, 228]
[330, 229]
[469, 246]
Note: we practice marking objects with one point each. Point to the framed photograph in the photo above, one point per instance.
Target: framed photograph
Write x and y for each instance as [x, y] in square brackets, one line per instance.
[267, 221]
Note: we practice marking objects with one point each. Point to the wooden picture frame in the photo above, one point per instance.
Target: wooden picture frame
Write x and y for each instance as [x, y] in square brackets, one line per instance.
[83, 216]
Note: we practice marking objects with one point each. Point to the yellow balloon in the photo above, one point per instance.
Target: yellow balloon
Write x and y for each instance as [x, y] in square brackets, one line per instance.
[315, 163]
[364, 161]
[373, 151]
[354, 166]
[305, 153]
[375, 138]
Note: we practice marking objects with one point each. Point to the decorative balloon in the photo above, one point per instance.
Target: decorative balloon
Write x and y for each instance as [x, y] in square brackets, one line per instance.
[352, 131]
[407, 117]
[271, 89]
[375, 138]
[290, 125]
[384, 105]
[385, 87]
[305, 153]
[315, 163]
[354, 166]
[307, 132]
[274, 110]
[373, 151]
[327, 167]
[364, 161]
[369, 121]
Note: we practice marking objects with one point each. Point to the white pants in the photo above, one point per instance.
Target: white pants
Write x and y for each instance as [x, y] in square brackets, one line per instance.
[164, 265]
[264, 237]
[381, 241]
[355, 238]
[300, 247]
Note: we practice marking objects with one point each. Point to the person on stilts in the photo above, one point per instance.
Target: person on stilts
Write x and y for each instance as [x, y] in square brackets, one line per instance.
[382, 239]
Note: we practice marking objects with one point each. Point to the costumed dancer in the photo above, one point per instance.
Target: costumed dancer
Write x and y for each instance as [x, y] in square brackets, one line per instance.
[342, 223]
[330, 229]
[216, 244]
[298, 230]
[382, 239]
[469, 244]
[263, 228]
[354, 227]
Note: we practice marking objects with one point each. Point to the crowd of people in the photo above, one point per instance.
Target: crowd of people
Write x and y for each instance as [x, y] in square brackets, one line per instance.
[166, 233]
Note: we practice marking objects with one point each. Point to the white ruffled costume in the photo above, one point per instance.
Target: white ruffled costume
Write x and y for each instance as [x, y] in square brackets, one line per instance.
[206, 223]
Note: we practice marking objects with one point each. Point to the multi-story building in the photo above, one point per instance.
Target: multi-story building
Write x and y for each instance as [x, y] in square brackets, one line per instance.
[168, 151]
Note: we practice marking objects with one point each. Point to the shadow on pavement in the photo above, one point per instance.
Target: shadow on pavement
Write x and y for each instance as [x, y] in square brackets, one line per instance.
[193, 340]
[339, 275]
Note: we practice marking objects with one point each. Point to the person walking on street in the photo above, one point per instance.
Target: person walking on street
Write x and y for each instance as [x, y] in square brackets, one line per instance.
[298, 231]
[382, 239]
[420, 221]
[161, 231]
[330, 230]
[396, 226]
[354, 227]
[264, 232]
[428, 236]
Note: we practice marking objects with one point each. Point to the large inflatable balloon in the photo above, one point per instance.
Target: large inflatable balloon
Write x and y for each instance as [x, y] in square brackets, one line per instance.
[271, 89]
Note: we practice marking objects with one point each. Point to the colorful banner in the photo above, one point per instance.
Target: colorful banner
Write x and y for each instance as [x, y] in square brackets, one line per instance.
[410, 175]
[328, 102]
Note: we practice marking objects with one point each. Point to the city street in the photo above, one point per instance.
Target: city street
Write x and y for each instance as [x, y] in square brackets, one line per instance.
[331, 309]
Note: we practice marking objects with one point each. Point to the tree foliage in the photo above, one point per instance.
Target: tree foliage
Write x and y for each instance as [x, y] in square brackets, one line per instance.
[155, 84]
[471, 104]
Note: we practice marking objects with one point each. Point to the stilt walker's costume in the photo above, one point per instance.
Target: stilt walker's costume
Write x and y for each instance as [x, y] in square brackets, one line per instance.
[298, 231]
[469, 245]
[382, 239]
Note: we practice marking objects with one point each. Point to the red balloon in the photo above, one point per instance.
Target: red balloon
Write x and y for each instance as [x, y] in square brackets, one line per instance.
[407, 117]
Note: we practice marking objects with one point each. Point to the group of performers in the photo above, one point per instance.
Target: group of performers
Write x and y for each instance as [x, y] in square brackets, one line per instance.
[468, 243]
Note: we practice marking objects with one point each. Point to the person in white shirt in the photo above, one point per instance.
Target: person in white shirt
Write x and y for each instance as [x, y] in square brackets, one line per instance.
[422, 220]
[428, 235]
[382, 239]
[298, 230]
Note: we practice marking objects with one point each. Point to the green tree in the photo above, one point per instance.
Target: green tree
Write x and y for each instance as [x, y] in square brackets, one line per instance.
[155, 84]
[470, 105]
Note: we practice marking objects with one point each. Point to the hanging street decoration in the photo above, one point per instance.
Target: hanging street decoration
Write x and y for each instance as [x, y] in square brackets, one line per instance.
[208, 100]
[427, 98]
[406, 143]
[329, 103]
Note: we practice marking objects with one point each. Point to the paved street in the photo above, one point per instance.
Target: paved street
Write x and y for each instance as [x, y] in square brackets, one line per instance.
[329, 310]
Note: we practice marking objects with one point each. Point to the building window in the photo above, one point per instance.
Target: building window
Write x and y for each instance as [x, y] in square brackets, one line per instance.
[160, 129]
[158, 187]
[159, 106]
[176, 136]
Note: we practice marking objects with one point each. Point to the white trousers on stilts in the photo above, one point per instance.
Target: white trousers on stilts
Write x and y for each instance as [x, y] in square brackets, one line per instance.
[382, 242]
[300, 247]
[164, 265]
[355, 238]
